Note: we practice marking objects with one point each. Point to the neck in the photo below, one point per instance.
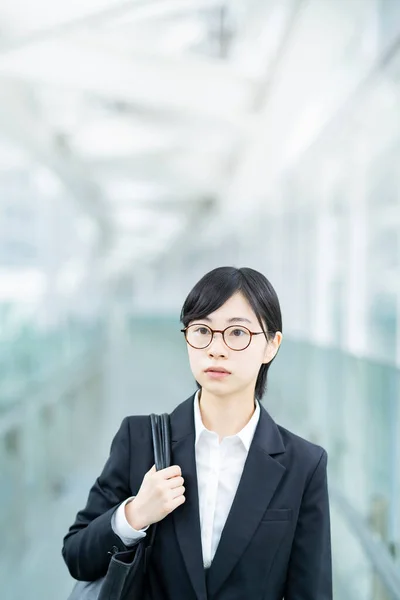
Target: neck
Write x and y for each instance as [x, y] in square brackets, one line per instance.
[226, 415]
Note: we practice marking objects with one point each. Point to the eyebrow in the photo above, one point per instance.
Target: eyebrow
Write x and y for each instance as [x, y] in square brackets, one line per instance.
[232, 320]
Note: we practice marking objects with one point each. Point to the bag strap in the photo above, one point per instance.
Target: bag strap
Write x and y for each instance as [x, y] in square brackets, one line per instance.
[161, 435]
[160, 429]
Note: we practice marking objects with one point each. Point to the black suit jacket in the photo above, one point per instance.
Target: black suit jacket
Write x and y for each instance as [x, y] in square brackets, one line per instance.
[276, 541]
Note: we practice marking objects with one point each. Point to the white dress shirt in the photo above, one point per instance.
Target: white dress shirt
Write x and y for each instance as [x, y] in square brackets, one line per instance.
[219, 468]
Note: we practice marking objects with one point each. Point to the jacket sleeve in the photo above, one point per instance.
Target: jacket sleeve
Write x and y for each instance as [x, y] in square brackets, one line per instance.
[91, 541]
[310, 567]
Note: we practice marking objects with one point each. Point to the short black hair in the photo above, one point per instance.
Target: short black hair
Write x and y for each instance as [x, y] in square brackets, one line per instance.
[217, 286]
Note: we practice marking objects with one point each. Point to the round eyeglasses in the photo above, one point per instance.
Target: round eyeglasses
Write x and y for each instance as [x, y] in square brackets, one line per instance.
[235, 337]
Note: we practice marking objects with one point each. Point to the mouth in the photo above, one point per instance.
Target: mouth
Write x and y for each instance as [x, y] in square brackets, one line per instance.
[217, 372]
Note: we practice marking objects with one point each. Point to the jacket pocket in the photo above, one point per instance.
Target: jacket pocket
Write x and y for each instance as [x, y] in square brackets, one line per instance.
[277, 514]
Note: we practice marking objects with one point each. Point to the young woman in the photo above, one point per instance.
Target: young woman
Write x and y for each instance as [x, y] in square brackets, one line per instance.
[243, 513]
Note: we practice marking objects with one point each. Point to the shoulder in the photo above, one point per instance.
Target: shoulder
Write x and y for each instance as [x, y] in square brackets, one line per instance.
[302, 454]
[303, 447]
[136, 427]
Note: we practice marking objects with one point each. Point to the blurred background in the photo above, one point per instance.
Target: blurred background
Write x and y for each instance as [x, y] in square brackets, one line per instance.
[143, 143]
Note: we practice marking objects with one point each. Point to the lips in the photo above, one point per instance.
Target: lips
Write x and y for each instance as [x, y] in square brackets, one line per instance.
[217, 370]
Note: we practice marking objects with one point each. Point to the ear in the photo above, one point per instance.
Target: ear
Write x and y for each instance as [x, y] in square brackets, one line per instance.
[272, 347]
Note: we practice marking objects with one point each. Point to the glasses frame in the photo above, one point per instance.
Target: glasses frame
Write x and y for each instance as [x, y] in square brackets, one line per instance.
[222, 332]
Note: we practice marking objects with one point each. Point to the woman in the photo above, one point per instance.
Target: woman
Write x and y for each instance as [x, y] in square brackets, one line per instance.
[243, 512]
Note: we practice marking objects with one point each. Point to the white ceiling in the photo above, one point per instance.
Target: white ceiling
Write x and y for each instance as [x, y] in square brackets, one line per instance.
[151, 113]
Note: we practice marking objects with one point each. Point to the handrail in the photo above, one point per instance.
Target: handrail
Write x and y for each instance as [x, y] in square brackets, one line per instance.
[75, 372]
[373, 546]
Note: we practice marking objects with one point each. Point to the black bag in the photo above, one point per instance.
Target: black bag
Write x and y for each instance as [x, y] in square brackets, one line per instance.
[126, 574]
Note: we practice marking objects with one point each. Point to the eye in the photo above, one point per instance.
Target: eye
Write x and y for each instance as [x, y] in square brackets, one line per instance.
[201, 330]
[237, 332]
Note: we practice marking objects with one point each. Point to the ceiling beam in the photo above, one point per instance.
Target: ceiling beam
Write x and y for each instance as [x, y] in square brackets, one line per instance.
[137, 10]
[187, 85]
[20, 124]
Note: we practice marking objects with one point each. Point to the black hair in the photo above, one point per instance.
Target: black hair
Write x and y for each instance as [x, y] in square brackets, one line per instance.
[217, 286]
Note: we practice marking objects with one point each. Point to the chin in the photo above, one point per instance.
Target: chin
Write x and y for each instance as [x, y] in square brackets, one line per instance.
[215, 388]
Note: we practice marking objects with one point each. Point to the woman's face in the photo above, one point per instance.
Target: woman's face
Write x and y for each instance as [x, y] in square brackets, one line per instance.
[243, 366]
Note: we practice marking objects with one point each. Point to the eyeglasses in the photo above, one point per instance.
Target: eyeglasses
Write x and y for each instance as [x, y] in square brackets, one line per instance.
[235, 337]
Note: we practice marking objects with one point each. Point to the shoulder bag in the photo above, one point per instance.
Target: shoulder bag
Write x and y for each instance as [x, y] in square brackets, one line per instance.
[126, 574]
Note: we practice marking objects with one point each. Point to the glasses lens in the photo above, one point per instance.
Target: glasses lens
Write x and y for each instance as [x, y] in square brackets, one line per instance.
[237, 338]
[198, 336]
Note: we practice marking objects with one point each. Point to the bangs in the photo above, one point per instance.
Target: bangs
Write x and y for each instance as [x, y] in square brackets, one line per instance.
[213, 290]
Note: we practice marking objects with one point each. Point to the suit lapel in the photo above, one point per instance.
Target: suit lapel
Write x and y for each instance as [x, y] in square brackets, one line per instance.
[187, 517]
[260, 478]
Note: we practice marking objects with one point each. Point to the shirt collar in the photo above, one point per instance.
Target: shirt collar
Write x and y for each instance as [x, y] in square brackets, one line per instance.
[245, 435]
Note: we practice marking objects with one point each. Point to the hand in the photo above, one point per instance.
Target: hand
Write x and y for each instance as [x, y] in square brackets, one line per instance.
[161, 493]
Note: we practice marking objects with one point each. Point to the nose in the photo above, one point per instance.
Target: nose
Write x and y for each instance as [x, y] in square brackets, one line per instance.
[217, 346]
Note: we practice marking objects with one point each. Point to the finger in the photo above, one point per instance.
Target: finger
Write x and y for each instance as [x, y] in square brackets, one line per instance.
[174, 471]
[178, 501]
[179, 491]
[175, 482]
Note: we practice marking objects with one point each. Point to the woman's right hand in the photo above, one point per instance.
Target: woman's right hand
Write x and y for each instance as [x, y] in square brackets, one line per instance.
[161, 493]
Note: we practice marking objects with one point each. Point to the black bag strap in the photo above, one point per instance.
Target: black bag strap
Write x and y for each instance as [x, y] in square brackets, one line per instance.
[161, 435]
[160, 429]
